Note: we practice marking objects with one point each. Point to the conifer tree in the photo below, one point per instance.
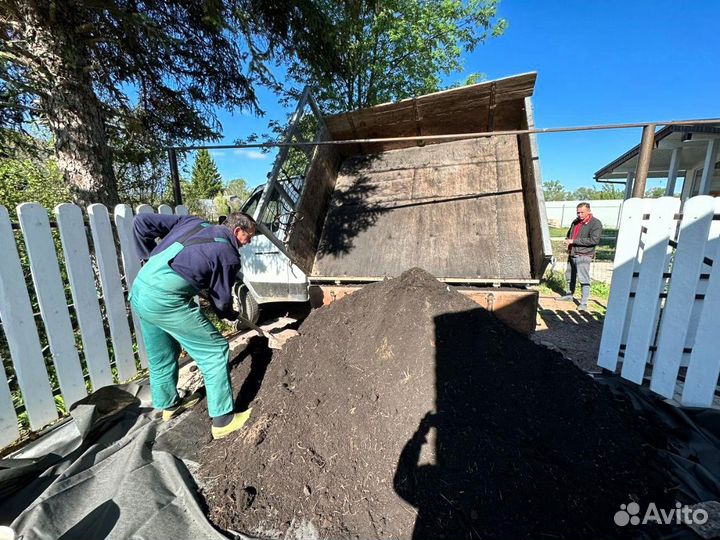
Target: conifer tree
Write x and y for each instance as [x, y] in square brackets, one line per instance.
[205, 182]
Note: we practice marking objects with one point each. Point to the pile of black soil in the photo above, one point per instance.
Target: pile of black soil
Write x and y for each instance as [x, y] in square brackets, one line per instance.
[405, 410]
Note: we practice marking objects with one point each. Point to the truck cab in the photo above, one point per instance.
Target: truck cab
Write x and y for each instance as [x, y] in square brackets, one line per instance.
[268, 274]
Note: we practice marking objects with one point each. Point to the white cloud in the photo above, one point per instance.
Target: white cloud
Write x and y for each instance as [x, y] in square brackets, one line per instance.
[251, 154]
[217, 153]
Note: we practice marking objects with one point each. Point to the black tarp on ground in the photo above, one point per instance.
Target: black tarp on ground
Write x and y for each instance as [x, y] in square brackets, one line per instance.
[99, 475]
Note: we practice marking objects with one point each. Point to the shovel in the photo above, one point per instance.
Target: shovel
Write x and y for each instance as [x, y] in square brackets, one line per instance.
[273, 342]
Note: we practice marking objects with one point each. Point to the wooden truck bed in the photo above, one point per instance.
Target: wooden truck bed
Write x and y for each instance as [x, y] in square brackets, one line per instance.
[455, 209]
[467, 211]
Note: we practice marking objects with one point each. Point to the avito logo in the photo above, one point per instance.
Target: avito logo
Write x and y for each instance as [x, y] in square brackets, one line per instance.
[629, 514]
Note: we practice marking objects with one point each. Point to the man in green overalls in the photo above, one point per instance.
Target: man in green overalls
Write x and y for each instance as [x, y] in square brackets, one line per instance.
[192, 255]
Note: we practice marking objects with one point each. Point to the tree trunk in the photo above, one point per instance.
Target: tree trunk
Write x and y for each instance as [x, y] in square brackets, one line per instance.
[73, 110]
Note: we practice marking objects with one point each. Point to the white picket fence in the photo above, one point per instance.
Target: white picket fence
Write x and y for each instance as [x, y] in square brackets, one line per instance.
[20, 326]
[663, 315]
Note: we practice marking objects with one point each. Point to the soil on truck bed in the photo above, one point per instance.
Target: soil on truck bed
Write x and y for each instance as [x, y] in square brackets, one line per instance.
[405, 410]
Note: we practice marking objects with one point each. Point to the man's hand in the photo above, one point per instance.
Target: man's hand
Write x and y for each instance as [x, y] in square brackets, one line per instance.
[568, 242]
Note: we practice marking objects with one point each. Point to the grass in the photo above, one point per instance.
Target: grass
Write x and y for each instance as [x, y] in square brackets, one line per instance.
[554, 283]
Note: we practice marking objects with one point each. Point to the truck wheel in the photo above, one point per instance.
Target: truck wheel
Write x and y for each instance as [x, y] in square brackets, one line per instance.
[248, 306]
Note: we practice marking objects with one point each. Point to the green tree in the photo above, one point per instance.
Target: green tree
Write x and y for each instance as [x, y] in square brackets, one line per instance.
[141, 168]
[654, 193]
[238, 187]
[95, 72]
[475, 78]
[205, 182]
[393, 49]
[584, 194]
[607, 192]
[553, 190]
[31, 179]
[221, 207]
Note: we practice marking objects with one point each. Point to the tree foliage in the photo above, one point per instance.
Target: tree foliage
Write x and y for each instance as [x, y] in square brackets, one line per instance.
[205, 182]
[655, 193]
[555, 191]
[141, 167]
[238, 187]
[393, 49]
[99, 73]
[31, 179]
[606, 192]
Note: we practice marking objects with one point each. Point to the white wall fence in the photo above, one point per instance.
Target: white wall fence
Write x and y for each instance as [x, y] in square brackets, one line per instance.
[98, 280]
[663, 315]
[563, 212]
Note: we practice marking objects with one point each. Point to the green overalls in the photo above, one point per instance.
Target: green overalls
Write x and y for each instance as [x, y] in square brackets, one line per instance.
[170, 318]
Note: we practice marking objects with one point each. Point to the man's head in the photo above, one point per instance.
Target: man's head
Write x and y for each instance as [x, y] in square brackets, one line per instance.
[242, 226]
[583, 210]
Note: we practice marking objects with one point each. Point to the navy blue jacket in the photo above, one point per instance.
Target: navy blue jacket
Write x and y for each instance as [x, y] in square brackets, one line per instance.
[212, 266]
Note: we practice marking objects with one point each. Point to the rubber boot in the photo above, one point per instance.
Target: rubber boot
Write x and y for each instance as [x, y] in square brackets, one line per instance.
[585, 297]
[236, 423]
[186, 404]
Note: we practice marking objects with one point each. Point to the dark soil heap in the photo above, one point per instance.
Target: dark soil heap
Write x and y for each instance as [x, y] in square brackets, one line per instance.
[405, 410]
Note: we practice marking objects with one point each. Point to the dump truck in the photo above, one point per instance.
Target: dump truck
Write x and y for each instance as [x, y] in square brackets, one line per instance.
[468, 209]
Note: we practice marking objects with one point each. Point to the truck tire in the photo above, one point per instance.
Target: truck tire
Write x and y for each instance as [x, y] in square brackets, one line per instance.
[248, 307]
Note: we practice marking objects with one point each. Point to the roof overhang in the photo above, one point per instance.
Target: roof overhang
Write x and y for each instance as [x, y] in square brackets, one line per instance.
[666, 140]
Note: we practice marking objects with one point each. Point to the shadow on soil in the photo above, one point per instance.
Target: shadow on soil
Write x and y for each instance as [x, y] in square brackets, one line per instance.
[574, 333]
[260, 356]
[515, 447]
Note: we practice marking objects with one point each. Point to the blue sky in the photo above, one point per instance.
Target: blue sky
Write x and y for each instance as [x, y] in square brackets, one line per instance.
[597, 63]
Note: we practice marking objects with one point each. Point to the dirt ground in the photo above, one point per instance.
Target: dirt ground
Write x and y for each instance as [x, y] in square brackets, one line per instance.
[575, 334]
[404, 410]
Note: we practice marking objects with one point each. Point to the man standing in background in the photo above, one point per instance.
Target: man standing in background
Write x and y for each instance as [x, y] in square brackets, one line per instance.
[581, 239]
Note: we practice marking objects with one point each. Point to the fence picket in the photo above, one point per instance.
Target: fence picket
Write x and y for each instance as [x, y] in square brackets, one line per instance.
[687, 264]
[84, 292]
[21, 332]
[704, 366]
[9, 430]
[50, 290]
[115, 306]
[144, 209]
[712, 248]
[181, 210]
[626, 254]
[660, 228]
[702, 374]
[131, 265]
